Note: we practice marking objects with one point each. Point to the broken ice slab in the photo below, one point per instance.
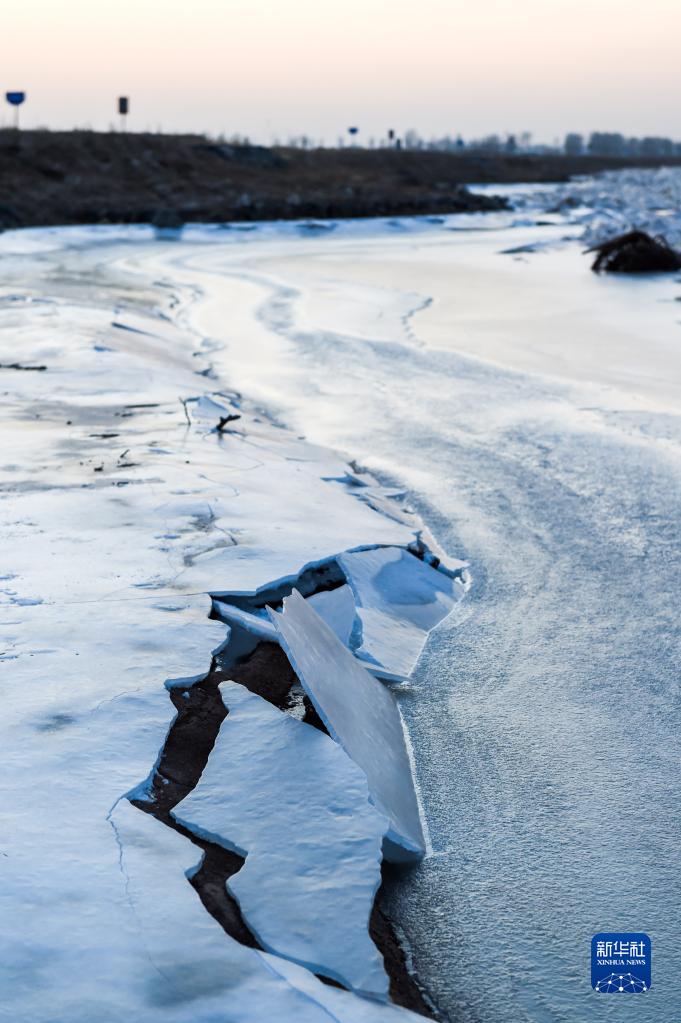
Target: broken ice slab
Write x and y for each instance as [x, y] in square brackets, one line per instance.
[342, 1006]
[289, 799]
[260, 628]
[399, 600]
[383, 602]
[205, 412]
[182, 967]
[361, 714]
[336, 607]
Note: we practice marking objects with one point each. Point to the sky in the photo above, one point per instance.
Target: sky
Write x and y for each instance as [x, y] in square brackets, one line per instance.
[274, 69]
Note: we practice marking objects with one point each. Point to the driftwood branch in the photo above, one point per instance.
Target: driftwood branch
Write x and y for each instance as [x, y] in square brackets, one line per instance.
[635, 253]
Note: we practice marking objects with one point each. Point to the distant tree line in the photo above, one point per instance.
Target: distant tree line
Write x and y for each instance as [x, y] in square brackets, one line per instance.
[610, 143]
[598, 143]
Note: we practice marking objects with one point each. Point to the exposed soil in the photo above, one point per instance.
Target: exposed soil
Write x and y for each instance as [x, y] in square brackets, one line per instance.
[109, 177]
[91, 177]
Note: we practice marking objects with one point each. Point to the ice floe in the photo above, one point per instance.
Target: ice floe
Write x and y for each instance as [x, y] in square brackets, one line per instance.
[615, 202]
[291, 801]
[185, 968]
[399, 600]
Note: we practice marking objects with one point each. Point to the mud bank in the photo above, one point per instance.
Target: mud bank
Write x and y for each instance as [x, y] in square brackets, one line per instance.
[94, 178]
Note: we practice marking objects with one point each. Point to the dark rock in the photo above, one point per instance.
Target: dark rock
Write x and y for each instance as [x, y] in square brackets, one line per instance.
[635, 253]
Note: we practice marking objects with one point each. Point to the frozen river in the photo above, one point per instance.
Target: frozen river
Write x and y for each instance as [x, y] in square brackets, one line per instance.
[531, 413]
[531, 409]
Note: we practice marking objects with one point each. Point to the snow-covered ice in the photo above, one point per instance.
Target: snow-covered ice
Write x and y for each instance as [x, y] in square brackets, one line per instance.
[186, 969]
[360, 713]
[290, 800]
[121, 508]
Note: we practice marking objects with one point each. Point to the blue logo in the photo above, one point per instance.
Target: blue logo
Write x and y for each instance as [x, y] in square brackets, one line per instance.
[621, 963]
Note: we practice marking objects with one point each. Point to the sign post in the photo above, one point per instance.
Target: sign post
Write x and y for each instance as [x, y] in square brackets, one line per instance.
[123, 110]
[15, 99]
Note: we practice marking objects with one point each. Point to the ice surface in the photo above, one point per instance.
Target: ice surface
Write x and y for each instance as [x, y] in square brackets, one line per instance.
[121, 509]
[113, 473]
[84, 709]
[399, 600]
[184, 968]
[288, 798]
[120, 512]
[360, 713]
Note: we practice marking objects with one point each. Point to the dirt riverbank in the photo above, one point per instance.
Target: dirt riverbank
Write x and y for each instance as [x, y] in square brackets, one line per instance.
[77, 177]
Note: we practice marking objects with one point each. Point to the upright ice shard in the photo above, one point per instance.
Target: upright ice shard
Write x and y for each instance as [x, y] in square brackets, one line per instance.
[288, 798]
[399, 599]
[337, 609]
[361, 714]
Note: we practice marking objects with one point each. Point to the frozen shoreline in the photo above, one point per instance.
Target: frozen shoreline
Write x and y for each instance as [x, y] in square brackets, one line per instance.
[125, 503]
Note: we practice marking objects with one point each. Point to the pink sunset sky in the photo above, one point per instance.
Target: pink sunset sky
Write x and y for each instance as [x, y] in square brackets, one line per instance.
[271, 69]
